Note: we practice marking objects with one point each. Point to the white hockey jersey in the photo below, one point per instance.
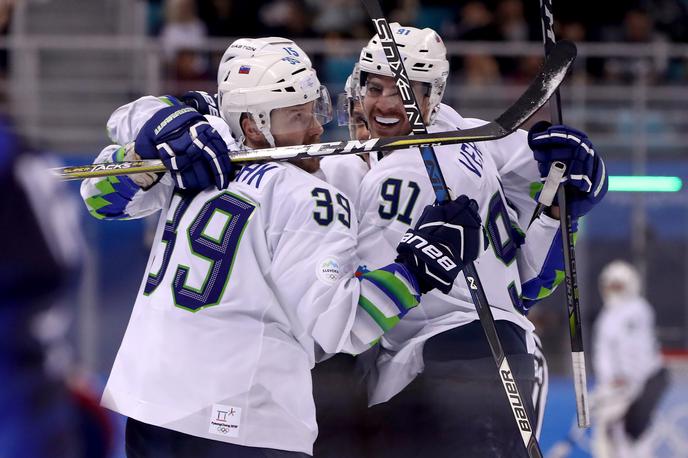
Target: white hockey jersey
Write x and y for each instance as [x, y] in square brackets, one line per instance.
[394, 192]
[345, 173]
[244, 289]
[513, 158]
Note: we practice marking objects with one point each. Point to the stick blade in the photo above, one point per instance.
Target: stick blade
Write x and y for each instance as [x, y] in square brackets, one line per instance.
[542, 88]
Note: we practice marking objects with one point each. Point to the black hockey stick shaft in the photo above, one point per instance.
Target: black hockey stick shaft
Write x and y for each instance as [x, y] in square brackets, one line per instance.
[566, 229]
[482, 306]
[533, 98]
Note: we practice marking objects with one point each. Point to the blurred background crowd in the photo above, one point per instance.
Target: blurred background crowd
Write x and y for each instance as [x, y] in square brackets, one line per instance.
[184, 23]
[65, 65]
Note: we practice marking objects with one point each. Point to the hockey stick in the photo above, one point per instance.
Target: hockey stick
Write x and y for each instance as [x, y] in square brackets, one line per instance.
[572, 296]
[432, 168]
[536, 95]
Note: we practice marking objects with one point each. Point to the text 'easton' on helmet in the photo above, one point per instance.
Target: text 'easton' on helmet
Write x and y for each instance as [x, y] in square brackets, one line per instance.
[249, 47]
[423, 54]
[260, 84]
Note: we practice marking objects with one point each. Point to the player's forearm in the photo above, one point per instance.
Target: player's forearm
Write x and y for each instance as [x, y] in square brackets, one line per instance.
[541, 260]
[126, 121]
[386, 296]
[120, 198]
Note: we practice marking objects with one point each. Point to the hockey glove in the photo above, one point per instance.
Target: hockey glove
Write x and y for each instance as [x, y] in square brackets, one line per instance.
[444, 238]
[188, 146]
[585, 176]
[202, 102]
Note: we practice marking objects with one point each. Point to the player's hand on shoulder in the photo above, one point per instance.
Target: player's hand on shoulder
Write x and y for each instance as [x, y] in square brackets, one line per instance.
[202, 102]
[585, 176]
[444, 238]
[188, 145]
[145, 180]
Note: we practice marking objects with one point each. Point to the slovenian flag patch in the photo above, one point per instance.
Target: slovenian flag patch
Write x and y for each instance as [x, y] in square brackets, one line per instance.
[245, 69]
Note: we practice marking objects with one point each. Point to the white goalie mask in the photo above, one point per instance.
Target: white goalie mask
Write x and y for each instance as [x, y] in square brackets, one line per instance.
[424, 56]
[260, 84]
[249, 47]
[619, 279]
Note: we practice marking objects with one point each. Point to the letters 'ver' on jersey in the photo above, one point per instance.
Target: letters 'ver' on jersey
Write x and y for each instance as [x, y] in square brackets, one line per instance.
[472, 158]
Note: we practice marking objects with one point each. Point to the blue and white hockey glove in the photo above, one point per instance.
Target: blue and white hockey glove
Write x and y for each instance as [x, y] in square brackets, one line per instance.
[202, 102]
[444, 238]
[585, 176]
[188, 146]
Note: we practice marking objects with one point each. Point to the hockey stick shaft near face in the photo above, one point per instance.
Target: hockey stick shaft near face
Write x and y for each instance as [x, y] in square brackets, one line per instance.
[482, 306]
[535, 96]
[566, 229]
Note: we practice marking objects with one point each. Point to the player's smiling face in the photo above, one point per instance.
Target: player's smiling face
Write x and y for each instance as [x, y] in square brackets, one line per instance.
[384, 108]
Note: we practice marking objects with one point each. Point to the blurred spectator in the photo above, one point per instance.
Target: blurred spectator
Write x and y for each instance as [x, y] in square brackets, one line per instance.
[637, 27]
[231, 18]
[401, 11]
[181, 37]
[511, 26]
[45, 411]
[628, 365]
[670, 18]
[340, 16]
[287, 18]
[577, 32]
[476, 23]
[510, 20]
[6, 9]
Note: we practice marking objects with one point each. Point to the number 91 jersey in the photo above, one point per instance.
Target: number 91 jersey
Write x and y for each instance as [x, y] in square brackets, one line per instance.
[241, 288]
[392, 195]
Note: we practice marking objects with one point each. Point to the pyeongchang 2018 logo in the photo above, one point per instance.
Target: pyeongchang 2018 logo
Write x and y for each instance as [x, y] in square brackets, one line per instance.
[225, 420]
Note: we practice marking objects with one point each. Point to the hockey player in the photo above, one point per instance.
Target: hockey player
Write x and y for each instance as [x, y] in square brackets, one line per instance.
[230, 319]
[444, 340]
[628, 365]
[40, 268]
[346, 172]
[341, 421]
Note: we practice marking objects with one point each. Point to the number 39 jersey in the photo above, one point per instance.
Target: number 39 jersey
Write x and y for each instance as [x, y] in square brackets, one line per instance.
[392, 195]
[243, 286]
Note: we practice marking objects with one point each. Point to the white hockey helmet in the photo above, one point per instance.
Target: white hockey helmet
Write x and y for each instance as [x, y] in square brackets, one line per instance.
[424, 56]
[619, 278]
[346, 99]
[257, 85]
[249, 47]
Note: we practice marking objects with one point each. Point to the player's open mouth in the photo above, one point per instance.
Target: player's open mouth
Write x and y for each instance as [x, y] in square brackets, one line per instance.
[387, 121]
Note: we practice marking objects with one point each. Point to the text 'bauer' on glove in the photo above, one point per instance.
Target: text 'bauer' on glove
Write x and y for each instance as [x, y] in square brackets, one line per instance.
[586, 174]
[189, 147]
[444, 238]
